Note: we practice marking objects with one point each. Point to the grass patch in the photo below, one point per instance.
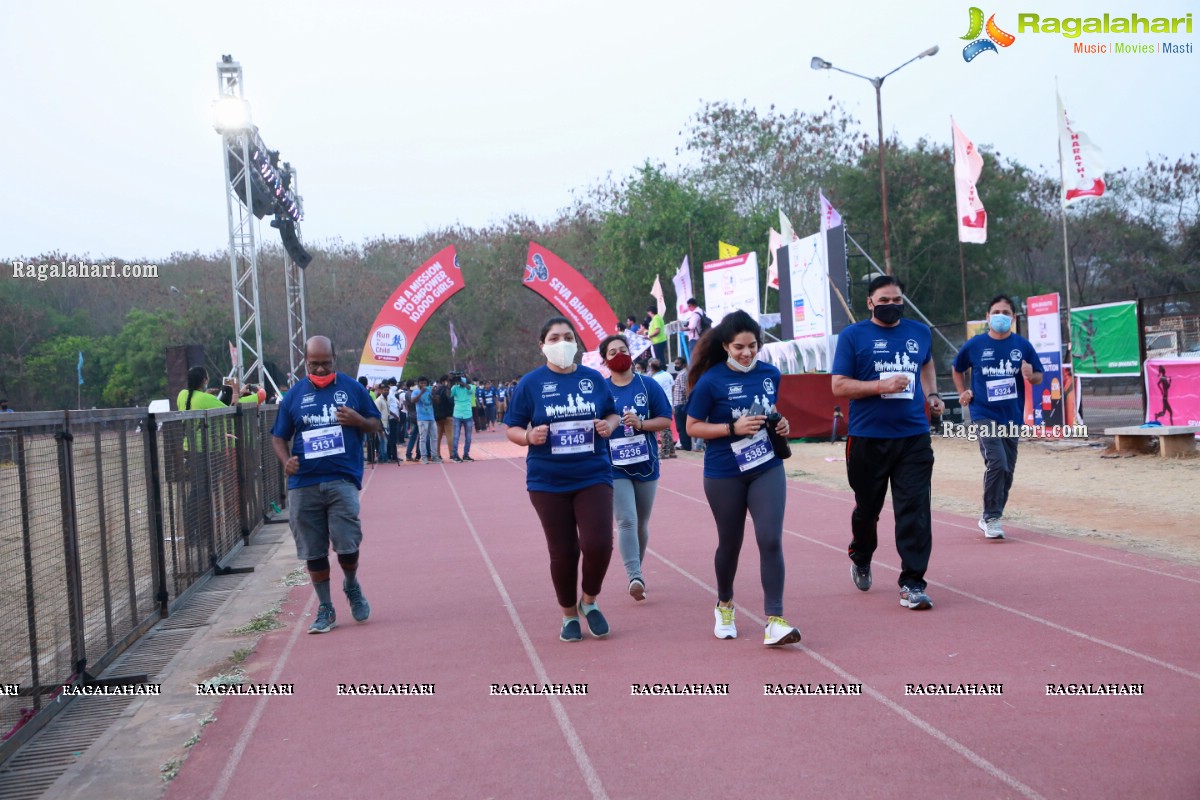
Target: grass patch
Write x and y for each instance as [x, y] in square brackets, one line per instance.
[235, 677]
[239, 656]
[261, 623]
[297, 577]
[169, 770]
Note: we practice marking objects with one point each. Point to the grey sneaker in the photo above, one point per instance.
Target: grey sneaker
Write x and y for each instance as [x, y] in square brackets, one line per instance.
[861, 576]
[326, 619]
[914, 598]
[991, 528]
[360, 609]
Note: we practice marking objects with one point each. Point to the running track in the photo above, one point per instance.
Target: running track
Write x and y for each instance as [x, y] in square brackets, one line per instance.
[455, 567]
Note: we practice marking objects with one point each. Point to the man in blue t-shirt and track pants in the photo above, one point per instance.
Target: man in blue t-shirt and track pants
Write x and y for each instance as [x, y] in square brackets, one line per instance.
[318, 437]
[1000, 362]
[884, 366]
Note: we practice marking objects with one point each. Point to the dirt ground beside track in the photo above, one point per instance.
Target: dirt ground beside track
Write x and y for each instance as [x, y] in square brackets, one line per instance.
[1142, 503]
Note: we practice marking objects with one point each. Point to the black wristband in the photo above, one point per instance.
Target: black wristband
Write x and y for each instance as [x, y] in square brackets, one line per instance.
[730, 426]
[933, 394]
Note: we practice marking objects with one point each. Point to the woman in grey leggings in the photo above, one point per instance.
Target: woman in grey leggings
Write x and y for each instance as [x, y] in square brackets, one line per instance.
[732, 394]
[644, 411]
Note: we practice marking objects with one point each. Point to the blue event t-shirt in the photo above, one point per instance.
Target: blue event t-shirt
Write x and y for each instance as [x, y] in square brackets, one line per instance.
[996, 382]
[307, 408]
[424, 403]
[546, 397]
[647, 400]
[721, 395]
[869, 352]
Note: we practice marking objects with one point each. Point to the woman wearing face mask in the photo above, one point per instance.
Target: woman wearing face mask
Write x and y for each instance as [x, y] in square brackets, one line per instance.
[1000, 362]
[562, 412]
[731, 394]
[644, 410]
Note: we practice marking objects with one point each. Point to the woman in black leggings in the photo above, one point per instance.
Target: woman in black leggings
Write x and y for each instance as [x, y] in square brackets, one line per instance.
[731, 395]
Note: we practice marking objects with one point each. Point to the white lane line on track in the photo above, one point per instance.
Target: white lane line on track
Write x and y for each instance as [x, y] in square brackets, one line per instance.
[260, 705]
[942, 737]
[590, 776]
[845, 497]
[1031, 617]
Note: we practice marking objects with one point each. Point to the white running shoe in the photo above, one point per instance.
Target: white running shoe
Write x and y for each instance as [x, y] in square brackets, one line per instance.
[991, 528]
[725, 628]
[779, 632]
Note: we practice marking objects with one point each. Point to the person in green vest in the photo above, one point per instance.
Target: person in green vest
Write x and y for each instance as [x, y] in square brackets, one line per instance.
[656, 332]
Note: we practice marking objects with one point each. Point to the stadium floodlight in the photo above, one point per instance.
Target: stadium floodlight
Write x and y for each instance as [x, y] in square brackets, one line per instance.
[231, 115]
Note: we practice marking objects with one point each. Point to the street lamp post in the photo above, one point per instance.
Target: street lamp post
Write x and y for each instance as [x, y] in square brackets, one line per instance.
[820, 63]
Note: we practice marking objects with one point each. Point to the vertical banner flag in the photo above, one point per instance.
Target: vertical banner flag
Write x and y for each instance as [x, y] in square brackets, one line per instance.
[571, 294]
[774, 242]
[683, 288]
[79, 368]
[404, 314]
[1104, 340]
[657, 293]
[785, 228]
[725, 250]
[453, 339]
[1082, 169]
[972, 218]
[1173, 391]
[808, 286]
[1044, 402]
[731, 284]
[830, 218]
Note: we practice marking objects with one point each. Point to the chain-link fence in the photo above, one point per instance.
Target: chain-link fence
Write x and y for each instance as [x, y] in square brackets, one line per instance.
[108, 516]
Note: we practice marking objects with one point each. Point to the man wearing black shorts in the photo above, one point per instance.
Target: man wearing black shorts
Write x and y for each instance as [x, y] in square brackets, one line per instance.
[324, 418]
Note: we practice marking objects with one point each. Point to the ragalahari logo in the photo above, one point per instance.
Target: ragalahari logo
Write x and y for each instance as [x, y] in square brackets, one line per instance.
[995, 36]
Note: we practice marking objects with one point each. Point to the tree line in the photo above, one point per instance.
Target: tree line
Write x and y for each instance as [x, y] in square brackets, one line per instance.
[736, 167]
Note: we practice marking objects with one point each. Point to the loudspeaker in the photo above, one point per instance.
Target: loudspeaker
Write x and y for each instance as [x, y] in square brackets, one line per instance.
[291, 242]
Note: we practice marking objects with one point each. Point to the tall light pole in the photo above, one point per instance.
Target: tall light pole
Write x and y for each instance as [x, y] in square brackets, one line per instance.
[820, 63]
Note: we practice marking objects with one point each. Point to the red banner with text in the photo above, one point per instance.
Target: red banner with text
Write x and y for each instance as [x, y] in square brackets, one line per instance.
[571, 294]
[404, 314]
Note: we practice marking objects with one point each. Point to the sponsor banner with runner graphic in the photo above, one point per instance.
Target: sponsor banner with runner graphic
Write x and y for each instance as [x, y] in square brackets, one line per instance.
[404, 314]
[1173, 391]
[1045, 403]
[731, 284]
[571, 294]
[1104, 340]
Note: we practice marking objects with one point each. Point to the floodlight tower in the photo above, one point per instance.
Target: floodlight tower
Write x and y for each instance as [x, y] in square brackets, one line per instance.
[293, 280]
[231, 118]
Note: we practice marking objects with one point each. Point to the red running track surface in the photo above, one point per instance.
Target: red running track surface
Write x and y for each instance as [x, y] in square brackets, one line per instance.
[455, 567]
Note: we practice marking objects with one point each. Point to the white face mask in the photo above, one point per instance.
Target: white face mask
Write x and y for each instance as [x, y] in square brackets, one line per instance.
[561, 354]
[737, 365]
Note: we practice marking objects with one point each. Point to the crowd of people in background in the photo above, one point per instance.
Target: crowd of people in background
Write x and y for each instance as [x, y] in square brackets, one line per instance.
[433, 421]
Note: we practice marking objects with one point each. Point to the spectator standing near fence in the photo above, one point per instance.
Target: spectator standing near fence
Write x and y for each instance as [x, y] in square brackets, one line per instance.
[679, 394]
[666, 443]
[427, 435]
[443, 415]
[410, 410]
[461, 394]
[884, 365]
[324, 422]
[1000, 362]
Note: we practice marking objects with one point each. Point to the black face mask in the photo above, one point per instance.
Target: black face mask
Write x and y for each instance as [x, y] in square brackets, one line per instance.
[889, 314]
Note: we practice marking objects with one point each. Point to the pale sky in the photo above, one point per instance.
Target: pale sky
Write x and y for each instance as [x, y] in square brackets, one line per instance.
[405, 117]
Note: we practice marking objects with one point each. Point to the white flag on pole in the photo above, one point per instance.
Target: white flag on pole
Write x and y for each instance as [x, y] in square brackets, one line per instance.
[1082, 169]
[785, 228]
[830, 218]
[774, 242]
[657, 293]
[972, 218]
[683, 288]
